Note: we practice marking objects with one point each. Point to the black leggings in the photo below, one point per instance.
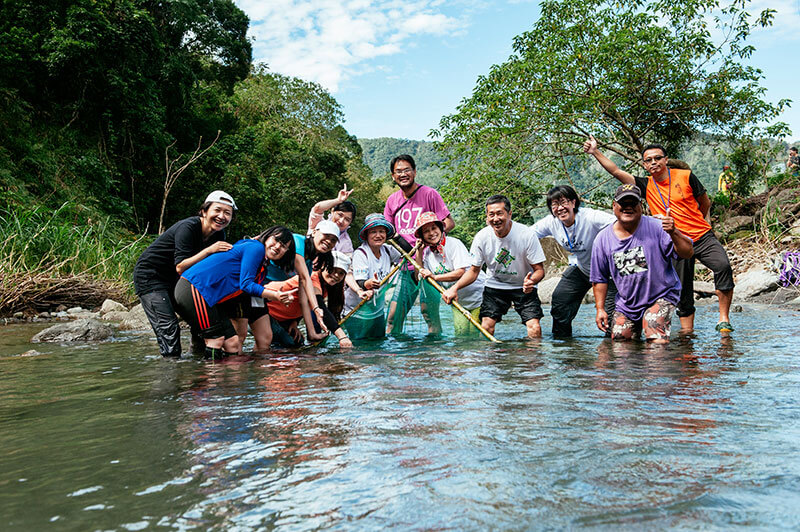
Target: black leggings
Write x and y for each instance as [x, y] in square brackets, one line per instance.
[212, 322]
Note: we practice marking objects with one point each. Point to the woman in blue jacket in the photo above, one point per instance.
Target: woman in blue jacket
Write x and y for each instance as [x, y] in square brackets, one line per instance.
[204, 288]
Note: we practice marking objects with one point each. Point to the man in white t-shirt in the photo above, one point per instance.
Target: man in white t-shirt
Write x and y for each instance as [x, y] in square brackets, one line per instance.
[514, 265]
[575, 228]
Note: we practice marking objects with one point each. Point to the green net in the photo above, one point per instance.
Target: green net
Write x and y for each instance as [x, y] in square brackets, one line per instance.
[406, 291]
[369, 321]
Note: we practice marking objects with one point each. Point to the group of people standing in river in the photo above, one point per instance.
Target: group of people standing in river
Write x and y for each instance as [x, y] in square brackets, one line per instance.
[640, 268]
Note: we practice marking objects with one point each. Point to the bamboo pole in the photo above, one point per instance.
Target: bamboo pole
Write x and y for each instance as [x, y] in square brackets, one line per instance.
[383, 282]
[439, 288]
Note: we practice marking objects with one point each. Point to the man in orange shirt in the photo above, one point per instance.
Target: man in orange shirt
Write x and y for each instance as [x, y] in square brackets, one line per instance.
[680, 192]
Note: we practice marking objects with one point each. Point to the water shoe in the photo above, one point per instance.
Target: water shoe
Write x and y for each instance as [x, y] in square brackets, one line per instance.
[724, 327]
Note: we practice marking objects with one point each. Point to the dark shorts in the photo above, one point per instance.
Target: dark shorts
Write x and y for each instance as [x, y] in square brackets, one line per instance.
[211, 322]
[709, 251]
[496, 303]
[241, 307]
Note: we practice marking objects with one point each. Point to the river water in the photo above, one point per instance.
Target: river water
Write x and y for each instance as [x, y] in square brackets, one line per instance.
[409, 434]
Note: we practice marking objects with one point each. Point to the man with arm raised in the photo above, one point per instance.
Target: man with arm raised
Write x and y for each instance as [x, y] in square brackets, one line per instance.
[682, 194]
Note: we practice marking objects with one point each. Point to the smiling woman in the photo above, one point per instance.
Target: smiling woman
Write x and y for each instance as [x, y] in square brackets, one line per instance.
[184, 244]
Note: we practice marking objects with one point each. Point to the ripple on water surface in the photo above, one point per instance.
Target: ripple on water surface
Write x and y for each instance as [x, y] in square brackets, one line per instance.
[410, 434]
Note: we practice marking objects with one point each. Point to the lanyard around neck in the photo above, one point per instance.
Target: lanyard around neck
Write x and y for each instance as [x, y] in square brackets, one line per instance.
[669, 194]
[569, 240]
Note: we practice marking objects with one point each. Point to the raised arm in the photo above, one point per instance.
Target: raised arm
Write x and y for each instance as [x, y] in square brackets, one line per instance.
[320, 207]
[590, 147]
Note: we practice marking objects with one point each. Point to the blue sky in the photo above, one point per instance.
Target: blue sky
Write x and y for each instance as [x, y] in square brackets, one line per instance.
[397, 67]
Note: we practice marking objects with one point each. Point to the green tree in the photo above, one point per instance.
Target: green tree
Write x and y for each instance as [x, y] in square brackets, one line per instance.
[286, 152]
[630, 73]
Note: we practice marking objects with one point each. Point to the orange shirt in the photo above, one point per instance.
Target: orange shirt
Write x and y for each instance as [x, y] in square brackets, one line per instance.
[281, 312]
[677, 193]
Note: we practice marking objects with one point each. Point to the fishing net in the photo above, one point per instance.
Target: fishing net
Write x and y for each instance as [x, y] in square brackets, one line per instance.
[406, 291]
[369, 321]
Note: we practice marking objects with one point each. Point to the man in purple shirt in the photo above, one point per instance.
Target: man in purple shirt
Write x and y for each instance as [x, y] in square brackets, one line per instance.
[636, 252]
[402, 210]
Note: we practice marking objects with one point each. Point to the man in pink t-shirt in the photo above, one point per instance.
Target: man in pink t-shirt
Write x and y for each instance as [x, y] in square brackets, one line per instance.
[402, 210]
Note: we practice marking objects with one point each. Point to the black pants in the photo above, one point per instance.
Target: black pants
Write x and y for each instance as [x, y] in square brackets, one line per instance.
[160, 311]
[567, 298]
[709, 251]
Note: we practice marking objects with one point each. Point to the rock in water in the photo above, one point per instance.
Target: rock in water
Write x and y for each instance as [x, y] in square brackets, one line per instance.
[136, 320]
[754, 282]
[76, 331]
[545, 289]
[109, 305]
[116, 316]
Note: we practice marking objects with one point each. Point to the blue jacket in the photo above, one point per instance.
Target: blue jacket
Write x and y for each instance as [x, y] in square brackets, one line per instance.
[227, 274]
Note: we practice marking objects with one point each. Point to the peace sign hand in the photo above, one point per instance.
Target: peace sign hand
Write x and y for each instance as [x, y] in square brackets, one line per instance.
[344, 194]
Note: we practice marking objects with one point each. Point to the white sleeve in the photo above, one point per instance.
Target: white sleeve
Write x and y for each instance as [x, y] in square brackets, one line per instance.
[476, 251]
[394, 255]
[543, 227]
[313, 220]
[360, 265]
[535, 253]
[601, 219]
[460, 257]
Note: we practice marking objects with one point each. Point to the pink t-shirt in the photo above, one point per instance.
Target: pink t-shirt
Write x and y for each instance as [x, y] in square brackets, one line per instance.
[404, 218]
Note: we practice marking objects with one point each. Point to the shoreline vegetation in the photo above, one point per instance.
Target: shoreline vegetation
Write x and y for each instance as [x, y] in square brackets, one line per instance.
[90, 143]
[63, 256]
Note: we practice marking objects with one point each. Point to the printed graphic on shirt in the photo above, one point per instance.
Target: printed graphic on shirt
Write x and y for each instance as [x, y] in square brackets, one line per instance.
[407, 219]
[630, 261]
[505, 257]
[575, 245]
[441, 268]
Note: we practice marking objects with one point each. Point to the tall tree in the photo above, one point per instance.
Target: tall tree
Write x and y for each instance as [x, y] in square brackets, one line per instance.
[629, 72]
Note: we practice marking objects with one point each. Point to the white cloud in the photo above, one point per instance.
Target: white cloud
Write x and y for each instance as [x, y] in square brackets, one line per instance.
[328, 41]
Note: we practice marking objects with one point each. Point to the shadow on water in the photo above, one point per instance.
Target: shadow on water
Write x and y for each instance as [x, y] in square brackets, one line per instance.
[406, 433]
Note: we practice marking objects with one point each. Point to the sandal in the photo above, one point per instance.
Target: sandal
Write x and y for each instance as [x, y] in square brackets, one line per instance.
[724, 326]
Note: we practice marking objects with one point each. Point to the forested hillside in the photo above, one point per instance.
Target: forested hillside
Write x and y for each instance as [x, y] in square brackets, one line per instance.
[118, 118]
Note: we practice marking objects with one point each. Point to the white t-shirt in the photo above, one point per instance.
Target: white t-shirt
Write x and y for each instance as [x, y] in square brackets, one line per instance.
[508, 260]
[579, 237]
[455, 256]
[365, 266]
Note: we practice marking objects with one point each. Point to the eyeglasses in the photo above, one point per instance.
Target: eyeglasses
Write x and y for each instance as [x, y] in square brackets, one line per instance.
[560, 203]
[655, 158]
[404, 171]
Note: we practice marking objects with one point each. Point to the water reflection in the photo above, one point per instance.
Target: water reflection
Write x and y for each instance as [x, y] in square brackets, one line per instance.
[700, 433]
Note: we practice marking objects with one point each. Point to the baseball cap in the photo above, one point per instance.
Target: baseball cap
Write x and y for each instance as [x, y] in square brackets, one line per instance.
[341, 260]
[624, 191]
[220, 196]
[326, 227]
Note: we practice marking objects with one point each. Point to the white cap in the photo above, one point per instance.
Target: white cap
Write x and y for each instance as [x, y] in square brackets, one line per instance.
[219, 196]
[326, 227]
[341, 260]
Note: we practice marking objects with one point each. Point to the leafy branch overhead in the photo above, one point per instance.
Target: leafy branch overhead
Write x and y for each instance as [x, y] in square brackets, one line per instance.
[630, 73]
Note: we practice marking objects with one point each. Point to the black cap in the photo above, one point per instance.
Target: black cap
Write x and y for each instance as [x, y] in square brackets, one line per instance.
[624, 191]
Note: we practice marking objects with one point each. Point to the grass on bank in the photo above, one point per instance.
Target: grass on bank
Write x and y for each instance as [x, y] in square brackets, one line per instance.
[65, 256]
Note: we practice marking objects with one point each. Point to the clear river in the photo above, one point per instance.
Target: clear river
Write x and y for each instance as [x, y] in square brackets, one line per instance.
[409, 433]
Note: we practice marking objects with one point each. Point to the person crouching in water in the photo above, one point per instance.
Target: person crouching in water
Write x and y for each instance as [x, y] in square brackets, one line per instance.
[203, 289]
[637, 252]
[184, 244]
[372, 262]
[328, 282]
[445, 259]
